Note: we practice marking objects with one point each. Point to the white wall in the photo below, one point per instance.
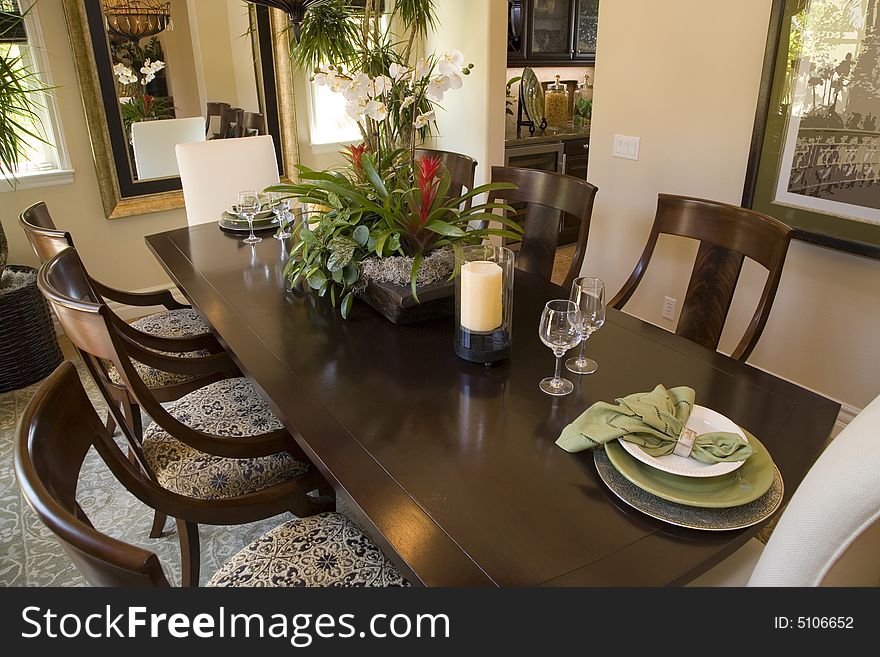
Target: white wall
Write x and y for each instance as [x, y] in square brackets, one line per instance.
[684, 77]
[472, 118]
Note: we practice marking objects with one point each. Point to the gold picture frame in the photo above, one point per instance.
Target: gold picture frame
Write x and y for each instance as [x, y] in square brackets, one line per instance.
[115, 204]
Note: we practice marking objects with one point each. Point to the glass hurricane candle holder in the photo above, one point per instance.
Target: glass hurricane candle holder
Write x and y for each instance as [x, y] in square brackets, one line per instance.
[484, 304]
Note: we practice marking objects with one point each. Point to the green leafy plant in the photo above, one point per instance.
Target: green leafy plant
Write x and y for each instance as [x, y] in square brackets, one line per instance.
[508, 93]
[20, 103]
[583, 108]
[379, 207]
[144, 108]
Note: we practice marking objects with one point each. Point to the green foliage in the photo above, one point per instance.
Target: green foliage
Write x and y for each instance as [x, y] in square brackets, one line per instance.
[144, 108]
[329, 32]
[20, 90]
[583, 108]
[380, 209]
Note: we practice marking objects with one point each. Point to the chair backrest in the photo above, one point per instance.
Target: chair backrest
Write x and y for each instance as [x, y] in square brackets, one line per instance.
[229, 122]
[46, 240]
[829, 534]
[547, 197]
[56, 431]
[252, 124]
[727, 235]
[213, 119]
[155, 141]
[461, 170]
[213, 172]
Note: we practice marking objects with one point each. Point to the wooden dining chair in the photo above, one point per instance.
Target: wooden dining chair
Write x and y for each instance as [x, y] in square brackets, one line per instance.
[177, 330]
[252, 124]
[461, 168]
[231, 118]
[60, 426]
[727, 234]
[213, 446]
[214, 118]
[547, 197]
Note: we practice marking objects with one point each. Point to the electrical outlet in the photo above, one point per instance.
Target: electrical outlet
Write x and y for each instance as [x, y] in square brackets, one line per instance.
[669, 308]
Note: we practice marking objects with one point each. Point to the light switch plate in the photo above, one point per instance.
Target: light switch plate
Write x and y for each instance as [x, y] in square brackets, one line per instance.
[626, 147]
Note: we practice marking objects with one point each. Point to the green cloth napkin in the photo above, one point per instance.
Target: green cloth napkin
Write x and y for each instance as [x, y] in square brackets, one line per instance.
[653, 421]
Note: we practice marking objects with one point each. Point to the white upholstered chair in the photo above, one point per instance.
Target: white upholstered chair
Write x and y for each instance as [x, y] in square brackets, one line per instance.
[829, 534]
[155, 142]
[214, 172]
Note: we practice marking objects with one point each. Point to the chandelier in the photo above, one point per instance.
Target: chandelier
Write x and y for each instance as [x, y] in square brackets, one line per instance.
[134, 20]
[295, 10]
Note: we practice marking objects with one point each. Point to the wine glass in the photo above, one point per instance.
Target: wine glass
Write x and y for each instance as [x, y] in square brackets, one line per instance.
[589, 295]
[280, 204]
[247, 208]
[560, 330]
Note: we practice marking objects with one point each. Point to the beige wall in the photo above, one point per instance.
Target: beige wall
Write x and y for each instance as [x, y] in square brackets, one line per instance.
[684, 77]
[181, 69]
[471, 120]
[114, 250]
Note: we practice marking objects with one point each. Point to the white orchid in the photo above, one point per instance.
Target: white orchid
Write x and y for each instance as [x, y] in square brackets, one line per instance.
[355, 109]
[409, 100]
[455, 81]
[357, 88]
[422, 69]
[380, 85]
[397, 71]
[424, 119]
[451, 62]
[376, 110]
[437, 87]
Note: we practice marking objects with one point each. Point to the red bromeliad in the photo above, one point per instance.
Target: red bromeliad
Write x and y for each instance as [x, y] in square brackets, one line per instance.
[355, 153]
[428, 177]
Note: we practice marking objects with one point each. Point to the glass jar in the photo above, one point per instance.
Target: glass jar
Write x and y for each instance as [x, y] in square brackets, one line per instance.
[582, 111]
[556, 104]
[484, 303]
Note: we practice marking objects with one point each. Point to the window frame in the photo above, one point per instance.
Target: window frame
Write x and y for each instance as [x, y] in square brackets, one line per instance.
[63, 172]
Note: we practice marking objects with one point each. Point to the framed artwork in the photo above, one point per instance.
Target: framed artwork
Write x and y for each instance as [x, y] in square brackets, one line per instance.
[815, 155]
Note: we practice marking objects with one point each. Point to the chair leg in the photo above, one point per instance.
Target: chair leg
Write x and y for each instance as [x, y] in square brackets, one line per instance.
[188, 533]
[159, 519]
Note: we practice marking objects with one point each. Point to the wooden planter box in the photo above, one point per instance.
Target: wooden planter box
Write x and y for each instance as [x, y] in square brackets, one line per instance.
[397, 304]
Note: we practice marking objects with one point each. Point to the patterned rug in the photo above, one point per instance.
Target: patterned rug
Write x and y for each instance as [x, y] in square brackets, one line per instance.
[29, 553]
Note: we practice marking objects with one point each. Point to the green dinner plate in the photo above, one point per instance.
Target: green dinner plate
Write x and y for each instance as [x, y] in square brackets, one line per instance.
[741, 486]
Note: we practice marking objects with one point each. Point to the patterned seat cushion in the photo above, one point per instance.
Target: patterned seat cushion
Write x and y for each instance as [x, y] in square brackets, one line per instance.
[327, 549]
[182, 323]
[230, 408]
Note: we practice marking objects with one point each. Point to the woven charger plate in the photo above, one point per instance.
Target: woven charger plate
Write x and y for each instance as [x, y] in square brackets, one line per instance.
[693, 517]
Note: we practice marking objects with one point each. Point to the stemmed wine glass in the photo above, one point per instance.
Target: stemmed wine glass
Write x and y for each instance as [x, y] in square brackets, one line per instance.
[589, 295]
[248, 206]
[280, 204]
[560, 330]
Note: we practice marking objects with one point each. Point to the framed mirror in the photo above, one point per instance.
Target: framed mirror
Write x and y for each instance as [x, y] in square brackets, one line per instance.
[155, 73]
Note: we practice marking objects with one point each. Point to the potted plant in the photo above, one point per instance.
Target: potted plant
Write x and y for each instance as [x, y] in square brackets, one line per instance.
[384, 225]
[28, 346]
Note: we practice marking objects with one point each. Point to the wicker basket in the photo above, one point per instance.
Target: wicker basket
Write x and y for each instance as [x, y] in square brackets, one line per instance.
[29, 348]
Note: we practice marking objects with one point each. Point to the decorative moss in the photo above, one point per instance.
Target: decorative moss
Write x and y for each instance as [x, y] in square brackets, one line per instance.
[436, 267]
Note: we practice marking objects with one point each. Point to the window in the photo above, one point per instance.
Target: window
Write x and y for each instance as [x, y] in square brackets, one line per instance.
[329, 122]
[45, 162]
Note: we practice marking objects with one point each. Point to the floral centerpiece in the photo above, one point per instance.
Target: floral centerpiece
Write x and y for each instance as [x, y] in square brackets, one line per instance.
[386, 215]
[135, 103]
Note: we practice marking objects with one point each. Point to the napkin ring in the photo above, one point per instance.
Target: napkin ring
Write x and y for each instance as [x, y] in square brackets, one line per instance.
[685, 444]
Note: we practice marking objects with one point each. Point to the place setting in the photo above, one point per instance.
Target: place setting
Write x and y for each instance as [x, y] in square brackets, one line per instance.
[259, 212]
[677, 461]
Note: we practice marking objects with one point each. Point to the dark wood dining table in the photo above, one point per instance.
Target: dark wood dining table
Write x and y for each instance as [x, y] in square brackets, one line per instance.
[452, 467]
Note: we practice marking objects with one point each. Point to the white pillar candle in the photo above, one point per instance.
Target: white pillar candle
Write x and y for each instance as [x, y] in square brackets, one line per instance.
[481, 296]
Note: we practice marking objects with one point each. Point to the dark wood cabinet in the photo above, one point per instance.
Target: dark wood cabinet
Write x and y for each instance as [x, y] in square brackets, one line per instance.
[551, 32]
[575, 159]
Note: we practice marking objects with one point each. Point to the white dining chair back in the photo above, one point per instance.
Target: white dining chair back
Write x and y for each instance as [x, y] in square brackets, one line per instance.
[829, 534]
[155, 144]
[213, 172]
